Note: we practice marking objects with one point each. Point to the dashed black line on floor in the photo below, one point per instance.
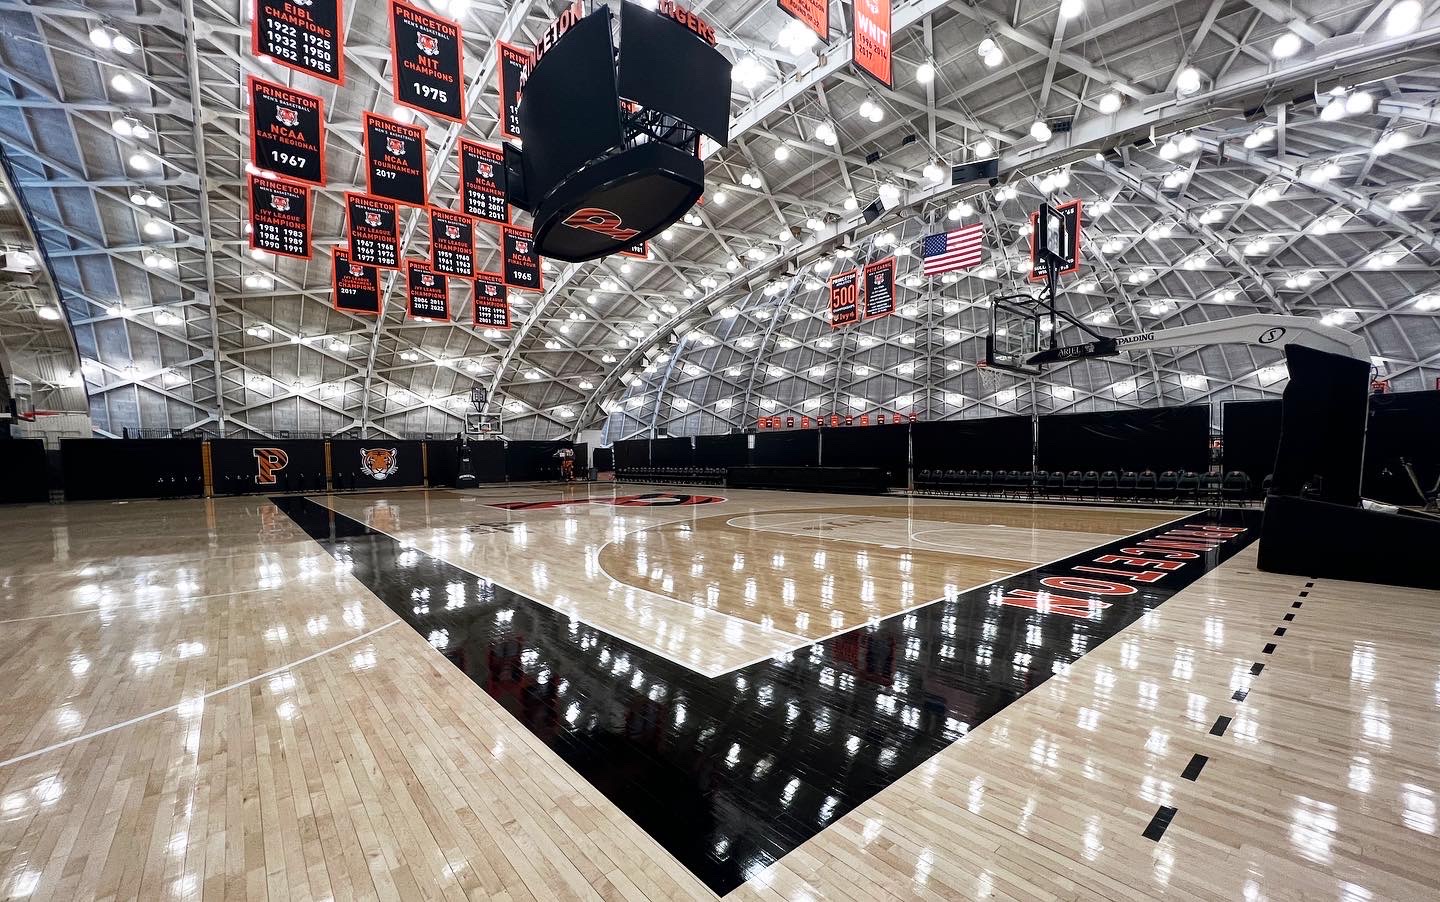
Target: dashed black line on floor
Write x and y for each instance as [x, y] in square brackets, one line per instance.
[1159, 823]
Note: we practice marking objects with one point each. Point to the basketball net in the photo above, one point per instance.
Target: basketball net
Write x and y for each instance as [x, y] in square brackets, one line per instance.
[989, 378]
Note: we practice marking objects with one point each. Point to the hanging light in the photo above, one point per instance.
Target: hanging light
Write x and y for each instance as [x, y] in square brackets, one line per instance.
[825, 133]
[1040, 131]
[102, 37]
[1359, 103]
[1334, 111]
[153, 227]
[1109, 102]
[122, 83]
[925, 72]
[1188, 82]
[1286, 46]
[1391, 141]
[983, 148]
[990, 53]
[932, 172]
[782, 152]
[1403, 18]
[1069, 9]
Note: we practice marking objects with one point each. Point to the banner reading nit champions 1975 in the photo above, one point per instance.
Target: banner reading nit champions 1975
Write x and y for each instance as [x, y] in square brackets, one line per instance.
[356, 287]
[844, 297]
[513, 61]
[492, 304]
[482, 182]
[374, 230]
[428, 67]
[870, 40]
[306, 35]
[280, 217]
[394, 160]
[287, 131]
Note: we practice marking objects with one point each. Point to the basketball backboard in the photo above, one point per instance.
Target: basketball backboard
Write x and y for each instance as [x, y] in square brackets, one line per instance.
[1014, 335]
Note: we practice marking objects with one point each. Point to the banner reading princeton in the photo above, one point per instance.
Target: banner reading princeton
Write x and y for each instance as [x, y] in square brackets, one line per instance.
[429, 292]
[356, 287]
[428, 65]
[492, 304]
[452, 243]
[844, 299]
[287, 131]
[513, 61]
[394, 160]
[280, 217]
[482, 182]
[305, 35]
[374, 230]
[520, 263]
[870, 40]
[880, 288]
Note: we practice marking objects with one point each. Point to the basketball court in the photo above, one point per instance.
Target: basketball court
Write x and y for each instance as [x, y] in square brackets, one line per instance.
[541, 691]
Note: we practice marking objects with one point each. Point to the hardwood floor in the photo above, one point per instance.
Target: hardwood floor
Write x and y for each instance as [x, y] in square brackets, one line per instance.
[203, 701]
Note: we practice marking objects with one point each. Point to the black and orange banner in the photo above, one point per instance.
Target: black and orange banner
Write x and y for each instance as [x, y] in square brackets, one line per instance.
[813, 14]
[280, 217]
[429, 292]
[844, 299]
[870, 40]
[394, 160]
[305, 35]
[520, 264]
[428, 64]
[640, 250]
[880, 288]
[452, 243]
[355, 287]
[374, 230]
[513, 61]
[287, 131]
[492, 304]
[482, 182]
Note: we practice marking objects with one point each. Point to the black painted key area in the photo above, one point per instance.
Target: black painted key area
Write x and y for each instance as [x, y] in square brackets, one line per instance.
[731, 773]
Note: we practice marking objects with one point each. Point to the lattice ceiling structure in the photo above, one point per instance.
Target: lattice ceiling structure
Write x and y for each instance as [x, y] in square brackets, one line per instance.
[1213, 183]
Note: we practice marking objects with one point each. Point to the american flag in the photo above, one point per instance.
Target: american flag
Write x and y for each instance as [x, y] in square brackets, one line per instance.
[955, 249]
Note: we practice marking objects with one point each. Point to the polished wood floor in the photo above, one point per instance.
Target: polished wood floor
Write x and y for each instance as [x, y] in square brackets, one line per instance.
[201, 703]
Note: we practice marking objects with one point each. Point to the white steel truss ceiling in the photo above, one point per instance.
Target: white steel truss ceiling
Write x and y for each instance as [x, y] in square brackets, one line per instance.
[1266, 206]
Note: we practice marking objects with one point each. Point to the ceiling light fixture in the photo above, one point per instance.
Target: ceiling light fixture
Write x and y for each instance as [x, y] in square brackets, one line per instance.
[1403, 18]
[925, 72]
[1188, 82]
[1040, 131]
[1286, 46]
[1109, 102]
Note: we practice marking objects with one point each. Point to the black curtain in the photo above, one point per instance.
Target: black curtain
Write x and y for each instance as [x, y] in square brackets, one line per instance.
[1165, 438]
[1402, 425]
[531, 461]
[787, 449]
[102, 468]
[632, 453]
[886, 447]
[722, 450]
[672, 452]
[23, 477]
[992, 443]
[1252, 436]
[1322, 429]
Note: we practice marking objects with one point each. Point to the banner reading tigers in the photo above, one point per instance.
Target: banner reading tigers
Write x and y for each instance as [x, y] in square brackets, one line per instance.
[428, 67]
[429, 292]
[394, 159]
[287, 131]
[870, 40]
[374, 231]
[452, 243]
[513, 61]
[280, 217]
[492, 304]
[482, 182]
[844, 297]
[520, 265]
[356, 288]
[305, 35]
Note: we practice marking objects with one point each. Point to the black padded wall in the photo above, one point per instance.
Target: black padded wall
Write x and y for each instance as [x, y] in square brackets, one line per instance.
[1403, 425]
[23, 476]
[245, 466]
[533, 461]
[991, 443]
[672, 452]
[102, 468]
[1322, 429]
[1166, 438]
[722, 450]
[787, 449]
[886, 447]
[390, 464]
[632, 453]
[1252, 436]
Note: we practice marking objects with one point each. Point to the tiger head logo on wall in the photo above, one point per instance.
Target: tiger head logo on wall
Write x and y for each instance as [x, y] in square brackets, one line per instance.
[379, 463]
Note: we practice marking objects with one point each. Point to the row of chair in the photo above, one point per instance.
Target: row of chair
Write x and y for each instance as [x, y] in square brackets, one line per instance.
[1147, 485]
[688, 475]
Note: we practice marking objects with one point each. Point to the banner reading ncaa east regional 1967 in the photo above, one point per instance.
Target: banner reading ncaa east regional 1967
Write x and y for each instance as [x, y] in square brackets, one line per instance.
[287, 131]
[305, 35]
[870, 40]
[428, 67]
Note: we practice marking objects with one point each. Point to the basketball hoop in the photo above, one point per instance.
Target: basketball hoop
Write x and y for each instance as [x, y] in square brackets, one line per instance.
[989, 377]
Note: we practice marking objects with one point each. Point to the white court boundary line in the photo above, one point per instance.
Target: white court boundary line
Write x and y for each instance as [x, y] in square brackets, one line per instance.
[136, 604]
[206, 697]
[576, 617]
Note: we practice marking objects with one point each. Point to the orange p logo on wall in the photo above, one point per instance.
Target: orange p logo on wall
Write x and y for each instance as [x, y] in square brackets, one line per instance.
[268, 462]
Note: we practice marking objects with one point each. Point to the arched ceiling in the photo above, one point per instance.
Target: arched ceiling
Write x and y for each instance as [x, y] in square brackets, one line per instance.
[178, 326]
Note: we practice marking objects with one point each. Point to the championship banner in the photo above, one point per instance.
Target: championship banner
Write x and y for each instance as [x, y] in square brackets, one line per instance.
[813, 14]
[1070, 219]
[374, 231]
[452, 243]
[482, 182]
[880, 288]
[520, 264]
[356, 288]
[844, 298]
[429, 293]
[513, 61]
[280, 217]
[287, 131]
[640, 251]
[305, 35]
[870, 40]
[394, 160]
[492, 304]
[428, 66]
